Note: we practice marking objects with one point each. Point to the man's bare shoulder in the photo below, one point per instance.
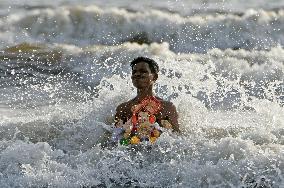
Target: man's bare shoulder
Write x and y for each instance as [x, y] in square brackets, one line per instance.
[167, 104]
[124, 105]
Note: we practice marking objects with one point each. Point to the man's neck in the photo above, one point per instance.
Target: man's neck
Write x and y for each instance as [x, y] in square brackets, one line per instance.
[141, 94]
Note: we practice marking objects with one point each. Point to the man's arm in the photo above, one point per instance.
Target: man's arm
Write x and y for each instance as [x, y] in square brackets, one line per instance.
[172, 116]
[118, 114]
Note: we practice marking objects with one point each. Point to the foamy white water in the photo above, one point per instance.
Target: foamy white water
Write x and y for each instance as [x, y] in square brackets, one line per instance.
[91, 25]
[221, 64]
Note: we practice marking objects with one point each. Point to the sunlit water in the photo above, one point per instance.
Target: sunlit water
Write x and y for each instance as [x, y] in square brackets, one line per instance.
[65, 67]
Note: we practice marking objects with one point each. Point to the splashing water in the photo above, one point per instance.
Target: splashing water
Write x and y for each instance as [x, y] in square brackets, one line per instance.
[65, 67]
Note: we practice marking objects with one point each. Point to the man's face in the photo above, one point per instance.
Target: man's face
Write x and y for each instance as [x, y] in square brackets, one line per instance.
[142, 77]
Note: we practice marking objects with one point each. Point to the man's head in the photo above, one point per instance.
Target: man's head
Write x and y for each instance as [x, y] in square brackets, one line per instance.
[144, 72]
[153, 65]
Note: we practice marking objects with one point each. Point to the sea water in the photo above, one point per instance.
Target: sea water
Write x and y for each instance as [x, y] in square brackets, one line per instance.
[65, 67]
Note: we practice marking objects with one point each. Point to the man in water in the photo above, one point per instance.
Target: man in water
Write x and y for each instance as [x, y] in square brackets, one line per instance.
[145, 110]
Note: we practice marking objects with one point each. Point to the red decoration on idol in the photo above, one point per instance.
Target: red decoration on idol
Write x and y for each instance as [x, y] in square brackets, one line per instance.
[152, 119]
[134, 119]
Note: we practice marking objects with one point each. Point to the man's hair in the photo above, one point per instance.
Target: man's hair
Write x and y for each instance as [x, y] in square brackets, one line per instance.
[153, 65]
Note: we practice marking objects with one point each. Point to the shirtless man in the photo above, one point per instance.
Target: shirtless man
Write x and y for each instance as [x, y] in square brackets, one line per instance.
[144, 75]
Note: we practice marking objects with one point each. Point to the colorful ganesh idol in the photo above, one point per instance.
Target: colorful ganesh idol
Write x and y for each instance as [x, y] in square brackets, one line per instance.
[142, 126]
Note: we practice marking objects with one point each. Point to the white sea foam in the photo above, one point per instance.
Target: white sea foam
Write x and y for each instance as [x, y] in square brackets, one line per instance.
[58, 145]
[87, 25]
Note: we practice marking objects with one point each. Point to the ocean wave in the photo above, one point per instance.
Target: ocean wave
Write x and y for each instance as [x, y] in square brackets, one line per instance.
[65, 68]
[74, 158]
[83, 26]
[53, 130]
[219, 78]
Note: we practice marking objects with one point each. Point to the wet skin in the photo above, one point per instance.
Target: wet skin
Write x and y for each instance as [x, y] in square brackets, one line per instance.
[143, 79]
